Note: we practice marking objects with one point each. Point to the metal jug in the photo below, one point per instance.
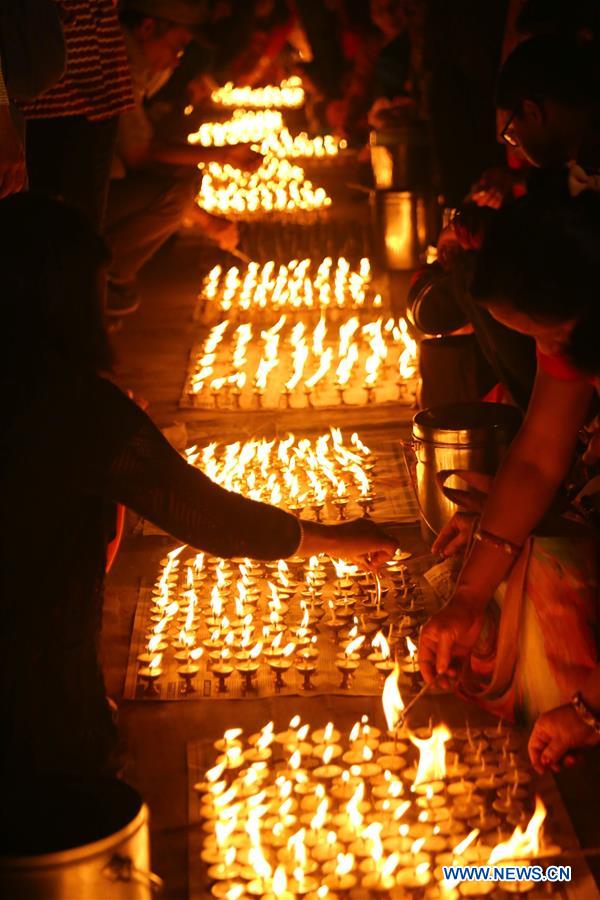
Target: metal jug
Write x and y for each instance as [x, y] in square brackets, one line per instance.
[400, 228]
[401, 156]
[82, 840]
[464, 436]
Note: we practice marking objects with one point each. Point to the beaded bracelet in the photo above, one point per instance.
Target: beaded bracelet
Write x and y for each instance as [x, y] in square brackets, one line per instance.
[585, 713]
[498, 543]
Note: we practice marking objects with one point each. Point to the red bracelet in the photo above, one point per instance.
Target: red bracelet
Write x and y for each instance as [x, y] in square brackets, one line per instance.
[498, 543]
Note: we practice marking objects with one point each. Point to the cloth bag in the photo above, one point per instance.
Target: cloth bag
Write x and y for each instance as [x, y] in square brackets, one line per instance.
[538, 642]
[32, 47]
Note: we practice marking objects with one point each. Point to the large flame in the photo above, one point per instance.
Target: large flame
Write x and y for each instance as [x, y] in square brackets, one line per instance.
[392, 699]
[432, 759]
[522, 844]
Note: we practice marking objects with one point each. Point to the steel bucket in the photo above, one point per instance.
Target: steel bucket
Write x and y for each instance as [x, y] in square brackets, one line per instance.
[463, 436]
[401, 156]
[400, 227]
[67, 840]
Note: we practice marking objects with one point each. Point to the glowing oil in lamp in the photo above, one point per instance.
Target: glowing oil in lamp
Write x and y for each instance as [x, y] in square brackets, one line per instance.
[290, 361]
[150, 674]
[276, 187]
[381, 656]
[411, 664]
[296, 286]
[281, 664]
[249, 667]
[288, 94]
[189, 670]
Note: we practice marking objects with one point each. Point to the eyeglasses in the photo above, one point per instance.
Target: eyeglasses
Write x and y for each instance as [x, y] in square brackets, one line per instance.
[507, 134]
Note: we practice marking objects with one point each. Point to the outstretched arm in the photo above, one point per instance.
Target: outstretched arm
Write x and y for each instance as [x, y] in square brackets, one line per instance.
[140, 469]
[522, 492]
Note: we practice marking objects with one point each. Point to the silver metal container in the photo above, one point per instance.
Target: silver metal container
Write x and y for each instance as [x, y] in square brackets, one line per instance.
[464, 436]
[115, 865]
[400, 156]
[400, 225]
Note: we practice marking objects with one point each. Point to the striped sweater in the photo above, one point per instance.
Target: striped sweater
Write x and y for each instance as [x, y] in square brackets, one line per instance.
[97, 83]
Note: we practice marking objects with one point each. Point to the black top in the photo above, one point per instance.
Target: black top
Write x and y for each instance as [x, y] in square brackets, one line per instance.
[71, 448]
[511, 354]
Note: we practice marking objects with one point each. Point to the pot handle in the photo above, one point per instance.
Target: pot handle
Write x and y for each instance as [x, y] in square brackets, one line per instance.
[410, 458]
[121, 868]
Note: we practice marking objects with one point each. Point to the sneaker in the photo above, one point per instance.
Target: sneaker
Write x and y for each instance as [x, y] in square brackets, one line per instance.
[122, 299]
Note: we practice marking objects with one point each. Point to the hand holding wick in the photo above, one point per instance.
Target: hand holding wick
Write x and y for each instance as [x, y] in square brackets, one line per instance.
[447, 639]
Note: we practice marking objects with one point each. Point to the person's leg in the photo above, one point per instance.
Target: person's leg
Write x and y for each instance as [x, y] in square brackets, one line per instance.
[70, 158]
[144, 210]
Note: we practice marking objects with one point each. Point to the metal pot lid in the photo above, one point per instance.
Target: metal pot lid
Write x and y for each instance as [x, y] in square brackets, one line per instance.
[465, 423]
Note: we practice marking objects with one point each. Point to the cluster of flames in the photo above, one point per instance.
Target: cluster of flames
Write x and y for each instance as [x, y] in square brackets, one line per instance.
[298, 285]
[294, 361]
[244, 616]
[289, 94]
[277, 186]
[300, 475]
[267, 132]
[316, 813]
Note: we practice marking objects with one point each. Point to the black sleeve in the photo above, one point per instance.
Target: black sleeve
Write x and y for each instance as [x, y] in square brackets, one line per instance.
[131, 462]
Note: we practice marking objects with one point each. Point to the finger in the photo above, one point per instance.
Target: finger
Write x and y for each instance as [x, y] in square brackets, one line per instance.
[447, 534]
[427, 667]
[537, 743]
[444, 652]
[363, 561]
[379, 557]
[456, 545]
[427, 655]
[553, 752]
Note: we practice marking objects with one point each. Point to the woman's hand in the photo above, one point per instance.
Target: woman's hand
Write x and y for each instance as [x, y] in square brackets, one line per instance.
[243, 157]
[455, 536]
[554, 734]
[448, 638]
[494, 186]
[360, 541]
[223, 232]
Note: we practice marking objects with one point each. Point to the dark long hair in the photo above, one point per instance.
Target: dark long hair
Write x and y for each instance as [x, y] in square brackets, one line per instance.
[541, 256]
[51, 265]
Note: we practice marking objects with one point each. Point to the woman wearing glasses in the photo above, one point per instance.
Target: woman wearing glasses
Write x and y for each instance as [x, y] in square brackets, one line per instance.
[548, 102]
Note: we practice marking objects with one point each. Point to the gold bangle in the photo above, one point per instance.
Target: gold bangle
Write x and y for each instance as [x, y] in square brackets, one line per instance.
[498, 543]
